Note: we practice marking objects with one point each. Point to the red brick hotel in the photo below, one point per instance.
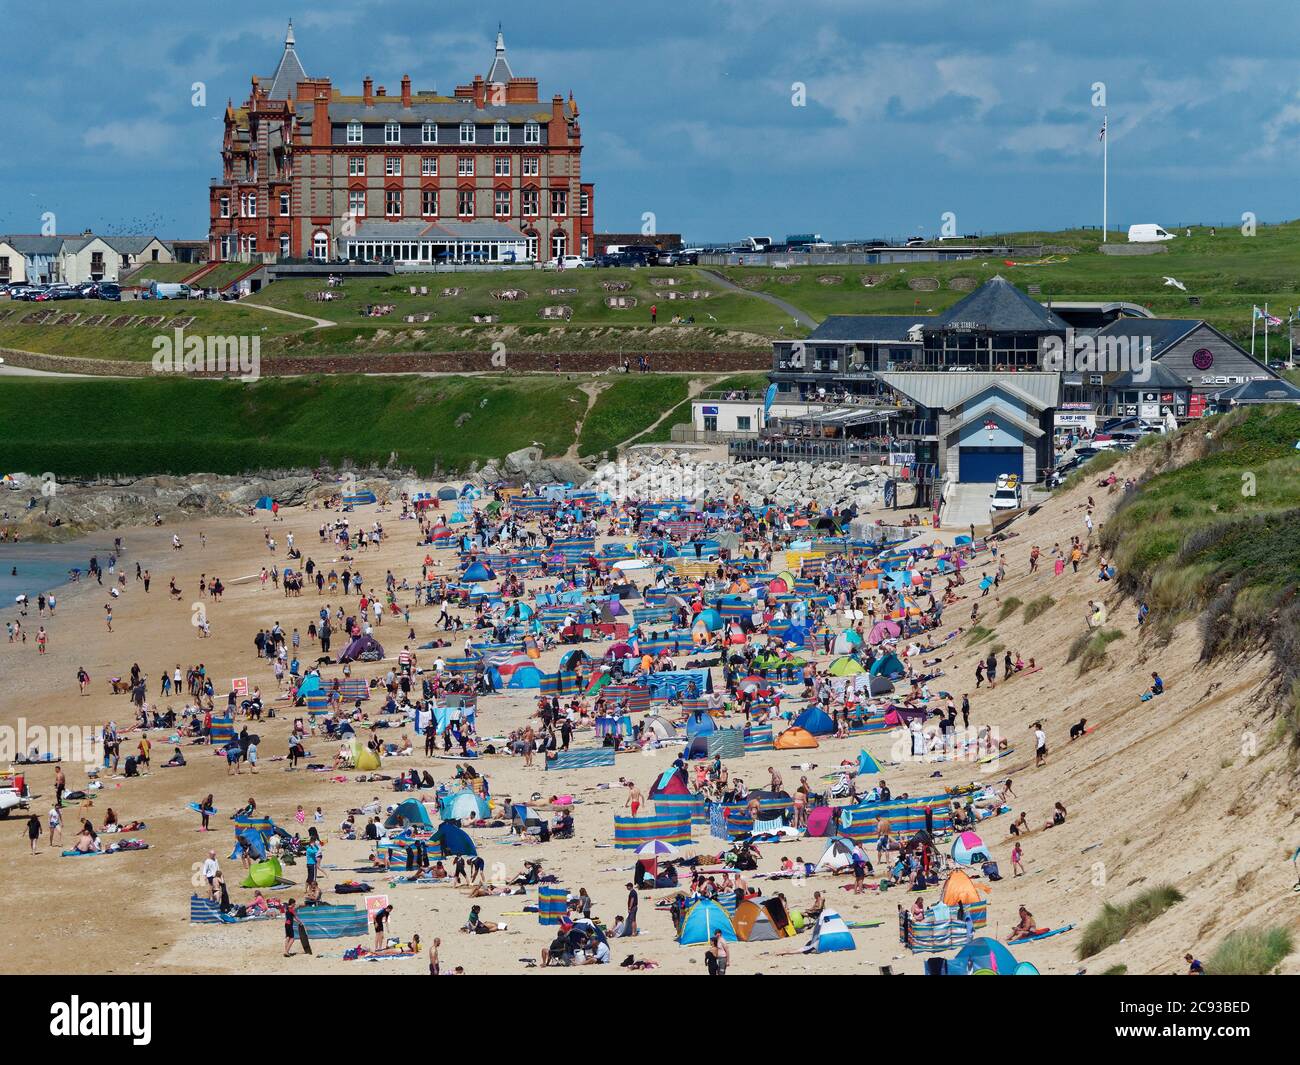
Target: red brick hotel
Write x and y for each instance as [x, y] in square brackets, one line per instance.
[488, 174]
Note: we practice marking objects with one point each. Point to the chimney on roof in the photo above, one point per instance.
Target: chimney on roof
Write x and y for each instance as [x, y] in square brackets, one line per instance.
[367, 91]
[320, 123]
[556, 132]
[406, 90]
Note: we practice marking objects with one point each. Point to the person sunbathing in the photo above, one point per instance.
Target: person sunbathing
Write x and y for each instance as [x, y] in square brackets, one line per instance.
[87, 843]
[1025, 929]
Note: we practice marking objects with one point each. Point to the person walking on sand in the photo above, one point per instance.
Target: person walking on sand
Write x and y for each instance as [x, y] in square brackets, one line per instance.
[1040, 745]
[634, 799]
[56, 824]
[434, 962]
[1017, 866]
[33, 831]
[290, 925]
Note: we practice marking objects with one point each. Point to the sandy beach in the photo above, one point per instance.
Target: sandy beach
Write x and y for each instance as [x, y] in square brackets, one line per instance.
[1139, 810]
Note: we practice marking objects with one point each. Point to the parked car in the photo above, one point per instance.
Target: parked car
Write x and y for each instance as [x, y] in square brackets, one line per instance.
[24, 292]
[1006, 497]
[566, 262]
[108, 290]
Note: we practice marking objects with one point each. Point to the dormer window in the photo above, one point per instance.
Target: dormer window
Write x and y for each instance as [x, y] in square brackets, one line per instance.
[429, 133]
[532, 133]
[467, 133]
[501, 133]
[354, 132]
[392, 133]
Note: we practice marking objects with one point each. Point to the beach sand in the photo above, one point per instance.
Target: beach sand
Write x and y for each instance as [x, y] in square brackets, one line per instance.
[1160, 792]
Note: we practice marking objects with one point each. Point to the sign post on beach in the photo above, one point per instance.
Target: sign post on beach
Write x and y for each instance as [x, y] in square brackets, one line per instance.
[239, 685]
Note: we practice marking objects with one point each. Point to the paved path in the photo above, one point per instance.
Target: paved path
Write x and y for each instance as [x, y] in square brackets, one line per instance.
[320, 323]
[966, 505]
[794, 312]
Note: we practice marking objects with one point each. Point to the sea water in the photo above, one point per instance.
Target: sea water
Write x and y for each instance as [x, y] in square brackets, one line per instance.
[44, 568]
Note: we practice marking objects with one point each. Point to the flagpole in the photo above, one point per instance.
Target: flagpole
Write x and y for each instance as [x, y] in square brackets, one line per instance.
[1105, 171]
[1253, 318]
[1266, 334]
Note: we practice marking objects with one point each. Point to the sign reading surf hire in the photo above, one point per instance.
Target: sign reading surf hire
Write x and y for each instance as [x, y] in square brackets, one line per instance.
[119, 1019]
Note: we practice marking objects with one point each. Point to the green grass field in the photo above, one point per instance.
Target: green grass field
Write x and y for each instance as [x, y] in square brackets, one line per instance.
[1229, 273]
[76, 427]
[178, 425]
[132, 342]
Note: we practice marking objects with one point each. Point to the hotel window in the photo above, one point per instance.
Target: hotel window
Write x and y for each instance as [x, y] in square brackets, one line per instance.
[529, 202]
[392, 133]
[465, 166]
[356, 166]
[429, 203]
[465, 203]
[354, 132]
[559, 203]
[320, 245]
[585, 201]
[502, 166]
[531, 252]
[284, 204]
[429, 166]
[429, 133]
[586, 245]
[284, 245]
[223, 206]
[532, 133]
[393, 202]
[501, 133]
[532, 166]
[501, 202]
[393, 166]
[467, 133]
[252, 205]
[356, 202]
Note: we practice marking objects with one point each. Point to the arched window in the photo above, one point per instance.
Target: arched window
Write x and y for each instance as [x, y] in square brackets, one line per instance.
[320, 244]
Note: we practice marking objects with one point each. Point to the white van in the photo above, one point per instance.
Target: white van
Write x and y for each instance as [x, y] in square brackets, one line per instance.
[1148, 233]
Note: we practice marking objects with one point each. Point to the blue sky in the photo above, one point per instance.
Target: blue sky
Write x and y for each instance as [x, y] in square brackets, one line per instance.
[911, 110]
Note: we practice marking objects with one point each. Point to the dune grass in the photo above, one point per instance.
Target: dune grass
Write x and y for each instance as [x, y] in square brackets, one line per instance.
[1036, 608]
[1118, 920]
[1089, 648]
[1009, 606]
[1251, 952]
[978, 634]
[1220, 536]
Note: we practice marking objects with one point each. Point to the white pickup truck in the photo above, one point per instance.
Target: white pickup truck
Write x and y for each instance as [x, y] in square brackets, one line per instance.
[13, 794]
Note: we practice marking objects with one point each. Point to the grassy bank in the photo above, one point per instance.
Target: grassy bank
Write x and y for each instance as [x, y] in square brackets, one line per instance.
[78, 427]
[1221, 534]
[172, 425]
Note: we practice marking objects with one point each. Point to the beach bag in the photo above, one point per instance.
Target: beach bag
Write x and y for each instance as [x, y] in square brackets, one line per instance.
[990, 870]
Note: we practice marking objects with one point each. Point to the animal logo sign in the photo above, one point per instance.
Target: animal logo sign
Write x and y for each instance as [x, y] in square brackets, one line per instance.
[1202, 358]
